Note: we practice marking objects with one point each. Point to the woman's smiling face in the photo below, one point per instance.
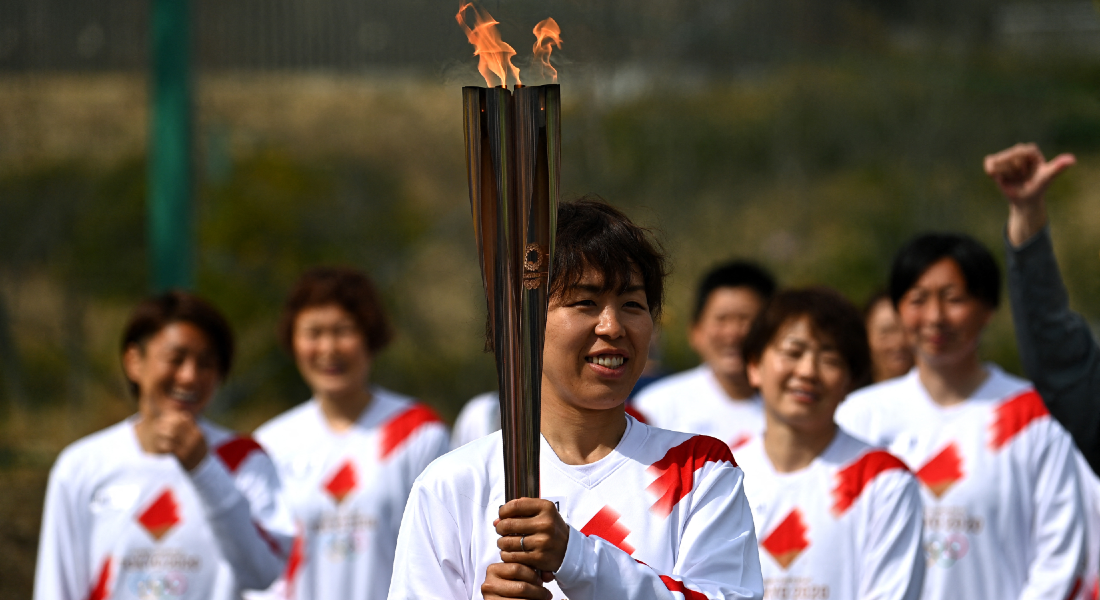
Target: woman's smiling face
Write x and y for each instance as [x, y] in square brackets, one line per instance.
[331, 351]
[175, 370]
[943, 321]
[596, 343]
[802, 377]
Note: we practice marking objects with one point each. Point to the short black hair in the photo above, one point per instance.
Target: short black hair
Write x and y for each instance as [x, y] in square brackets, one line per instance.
[348, 288]
[979, 268]
[831, 315]
[733, 274]
[591, 233]
[157, 312]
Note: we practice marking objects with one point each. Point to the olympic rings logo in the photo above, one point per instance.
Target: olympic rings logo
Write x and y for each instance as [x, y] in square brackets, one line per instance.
[340, 547]
[149, 586]
[947, 550]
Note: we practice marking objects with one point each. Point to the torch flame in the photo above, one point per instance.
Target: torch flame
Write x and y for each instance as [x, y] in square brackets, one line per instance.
[547, 34]
[494, 56]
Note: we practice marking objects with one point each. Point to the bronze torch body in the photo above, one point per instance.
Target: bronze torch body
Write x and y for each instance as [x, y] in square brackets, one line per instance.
[513, 159]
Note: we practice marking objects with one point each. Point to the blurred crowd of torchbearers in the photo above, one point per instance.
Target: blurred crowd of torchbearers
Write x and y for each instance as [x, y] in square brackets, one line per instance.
[812, 137]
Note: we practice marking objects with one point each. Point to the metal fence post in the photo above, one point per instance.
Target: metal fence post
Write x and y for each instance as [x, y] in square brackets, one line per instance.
[171, 221]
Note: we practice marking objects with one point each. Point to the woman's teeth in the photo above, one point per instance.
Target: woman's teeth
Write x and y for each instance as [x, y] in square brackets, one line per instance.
[184, 396]
[611, 362]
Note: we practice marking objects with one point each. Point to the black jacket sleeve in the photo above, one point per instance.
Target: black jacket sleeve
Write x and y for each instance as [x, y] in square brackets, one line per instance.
[1058, 351]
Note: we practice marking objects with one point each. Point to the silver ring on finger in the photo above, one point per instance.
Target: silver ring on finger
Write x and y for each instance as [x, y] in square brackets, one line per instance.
[521, 547]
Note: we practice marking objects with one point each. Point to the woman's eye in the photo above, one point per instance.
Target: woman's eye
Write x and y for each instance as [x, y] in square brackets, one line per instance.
[832, 360]
[635, 304]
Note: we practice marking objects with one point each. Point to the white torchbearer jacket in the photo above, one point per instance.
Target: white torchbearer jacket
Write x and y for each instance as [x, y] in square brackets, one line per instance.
[1003, 509]
[662, 516]
[347, 492]
[479, 418]
[694, 402]
[847, 526]
[122, 524]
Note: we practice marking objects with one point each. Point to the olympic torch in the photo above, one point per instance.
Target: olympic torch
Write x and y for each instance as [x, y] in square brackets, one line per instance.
[513, 158]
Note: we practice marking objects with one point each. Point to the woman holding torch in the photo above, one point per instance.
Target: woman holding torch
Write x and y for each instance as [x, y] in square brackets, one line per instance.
[628, 511]
[164, 504]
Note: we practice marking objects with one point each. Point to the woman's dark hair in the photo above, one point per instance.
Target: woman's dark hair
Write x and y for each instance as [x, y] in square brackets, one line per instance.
[593, 234]
[979, 269]
[347, 288]
[157, 312]
[734, 274]
[881, 294]
[831, 316]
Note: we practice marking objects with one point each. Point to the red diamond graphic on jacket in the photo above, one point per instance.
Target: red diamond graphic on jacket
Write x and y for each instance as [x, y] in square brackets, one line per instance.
[161, 516]
[942, 471]
[606, 525]
[787, 540]
[342, 482]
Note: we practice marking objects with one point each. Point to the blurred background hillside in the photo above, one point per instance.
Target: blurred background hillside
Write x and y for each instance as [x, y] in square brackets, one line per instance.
[811, 135]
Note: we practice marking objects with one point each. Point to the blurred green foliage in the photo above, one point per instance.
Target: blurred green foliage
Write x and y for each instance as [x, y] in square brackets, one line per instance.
[818, 170]
[821, 170]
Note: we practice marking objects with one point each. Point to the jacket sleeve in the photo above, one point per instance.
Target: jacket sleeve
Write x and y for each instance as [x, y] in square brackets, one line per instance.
[860, 418]
[62, 571]
[432, 558]
[249, 518]
[1057, 529]
[893, 557]
[431, 442]
[717, 558]
[1057, 349]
